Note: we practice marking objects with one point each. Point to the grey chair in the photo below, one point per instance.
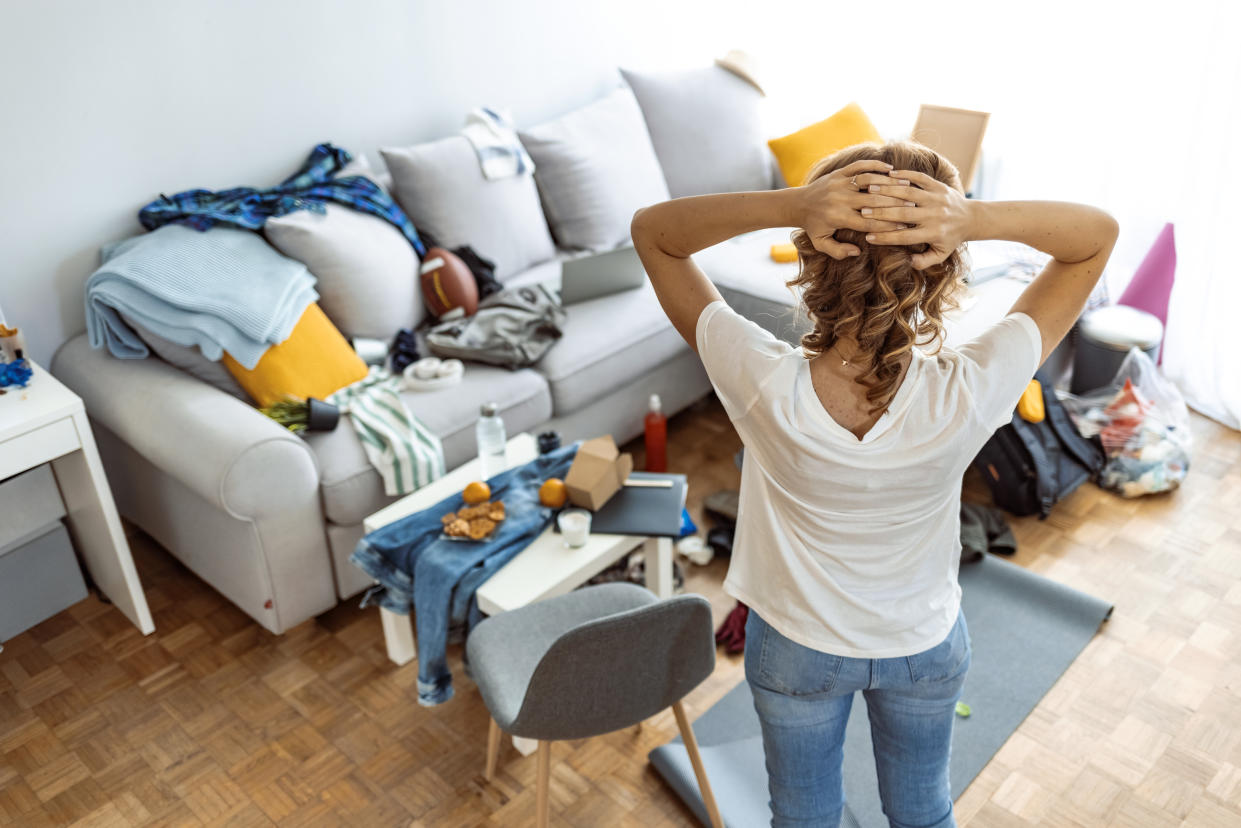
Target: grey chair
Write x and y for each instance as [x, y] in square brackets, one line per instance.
[590, 662]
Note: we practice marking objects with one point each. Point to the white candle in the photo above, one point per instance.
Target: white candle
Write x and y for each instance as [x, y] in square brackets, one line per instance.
[574, 526]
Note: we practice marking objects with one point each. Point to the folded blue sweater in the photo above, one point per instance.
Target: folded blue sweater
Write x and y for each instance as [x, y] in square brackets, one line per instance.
[222, 290]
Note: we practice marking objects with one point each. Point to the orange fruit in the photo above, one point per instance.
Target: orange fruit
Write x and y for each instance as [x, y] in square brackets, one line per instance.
[553, 493]
[476, 492]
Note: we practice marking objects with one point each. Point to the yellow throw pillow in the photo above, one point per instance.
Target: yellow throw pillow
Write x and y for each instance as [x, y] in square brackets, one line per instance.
[315, 361]
[801, 150]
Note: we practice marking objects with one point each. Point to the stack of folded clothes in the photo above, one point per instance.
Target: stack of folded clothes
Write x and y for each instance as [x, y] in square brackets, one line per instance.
[224, 291]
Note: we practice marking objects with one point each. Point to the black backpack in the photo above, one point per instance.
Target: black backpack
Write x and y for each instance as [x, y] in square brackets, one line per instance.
[1030, 466]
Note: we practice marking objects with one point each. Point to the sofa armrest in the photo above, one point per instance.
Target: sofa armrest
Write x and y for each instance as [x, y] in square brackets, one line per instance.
[218, 446]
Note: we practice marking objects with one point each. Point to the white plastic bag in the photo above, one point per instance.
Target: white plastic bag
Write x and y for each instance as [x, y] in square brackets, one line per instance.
[1143, 423]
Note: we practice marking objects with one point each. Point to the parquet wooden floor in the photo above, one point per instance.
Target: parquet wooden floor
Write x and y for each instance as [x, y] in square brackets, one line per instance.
[213, 721]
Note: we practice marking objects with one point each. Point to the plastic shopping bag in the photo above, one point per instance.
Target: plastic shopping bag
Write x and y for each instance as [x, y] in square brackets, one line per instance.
[1144, 425]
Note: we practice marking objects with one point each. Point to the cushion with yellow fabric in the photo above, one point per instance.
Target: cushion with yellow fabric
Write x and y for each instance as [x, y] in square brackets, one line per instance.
[799, 151]
[314, 361]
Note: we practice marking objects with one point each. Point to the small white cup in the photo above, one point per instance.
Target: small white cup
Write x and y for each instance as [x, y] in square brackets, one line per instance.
[574, 526]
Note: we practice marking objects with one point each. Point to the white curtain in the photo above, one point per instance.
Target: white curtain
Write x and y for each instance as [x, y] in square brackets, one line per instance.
[1130, 106]
[1203, 340]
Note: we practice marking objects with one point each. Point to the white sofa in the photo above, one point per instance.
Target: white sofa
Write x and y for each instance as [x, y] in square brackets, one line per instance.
[270, 519]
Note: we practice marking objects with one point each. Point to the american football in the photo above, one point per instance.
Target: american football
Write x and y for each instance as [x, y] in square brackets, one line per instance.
[447, 283]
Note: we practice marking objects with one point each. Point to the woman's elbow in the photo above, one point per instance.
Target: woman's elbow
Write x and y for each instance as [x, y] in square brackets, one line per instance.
[1107, 228]
[1107, 231]
[638, 225]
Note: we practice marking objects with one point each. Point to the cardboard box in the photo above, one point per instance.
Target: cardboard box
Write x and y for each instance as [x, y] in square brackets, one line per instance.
[597, 473]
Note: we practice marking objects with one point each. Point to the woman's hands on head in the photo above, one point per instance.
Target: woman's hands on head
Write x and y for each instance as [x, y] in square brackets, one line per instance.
[841, 199]
[938, 216]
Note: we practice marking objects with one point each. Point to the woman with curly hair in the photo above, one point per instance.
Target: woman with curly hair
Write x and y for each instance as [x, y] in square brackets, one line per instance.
[847, 544]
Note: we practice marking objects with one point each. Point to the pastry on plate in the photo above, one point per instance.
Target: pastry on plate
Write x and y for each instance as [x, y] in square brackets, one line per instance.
[480, 528]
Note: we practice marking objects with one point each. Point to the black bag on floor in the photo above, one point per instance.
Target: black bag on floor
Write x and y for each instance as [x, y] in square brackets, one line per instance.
[1030, 466]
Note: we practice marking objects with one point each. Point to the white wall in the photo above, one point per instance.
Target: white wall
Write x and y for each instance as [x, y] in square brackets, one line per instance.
[103, 106]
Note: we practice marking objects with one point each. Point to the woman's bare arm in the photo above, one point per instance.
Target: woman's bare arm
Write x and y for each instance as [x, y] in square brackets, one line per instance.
[1077, 237]
[667, 234]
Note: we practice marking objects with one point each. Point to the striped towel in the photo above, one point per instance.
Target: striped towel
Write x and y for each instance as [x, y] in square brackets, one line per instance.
[499, 150]
[403, 450]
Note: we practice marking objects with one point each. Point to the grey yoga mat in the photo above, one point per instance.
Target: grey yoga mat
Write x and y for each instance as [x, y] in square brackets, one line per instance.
[1025, 631]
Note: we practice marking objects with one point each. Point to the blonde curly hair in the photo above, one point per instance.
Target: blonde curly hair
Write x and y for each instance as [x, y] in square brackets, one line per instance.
[877, 298]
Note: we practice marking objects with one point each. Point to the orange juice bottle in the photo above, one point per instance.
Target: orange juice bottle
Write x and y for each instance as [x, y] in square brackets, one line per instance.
[656, 433]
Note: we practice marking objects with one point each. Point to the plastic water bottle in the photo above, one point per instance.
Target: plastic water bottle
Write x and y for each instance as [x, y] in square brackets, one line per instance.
[489, 432]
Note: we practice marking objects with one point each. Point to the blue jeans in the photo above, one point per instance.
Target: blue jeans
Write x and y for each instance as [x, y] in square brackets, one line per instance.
[803, 698]
[420, 570]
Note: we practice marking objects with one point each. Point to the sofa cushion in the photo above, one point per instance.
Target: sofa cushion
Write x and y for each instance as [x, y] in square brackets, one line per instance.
[190, 360]
[706, 128]
[595, 166]
[366, 271]
[315, 361]
[798, 152]
[754, 285]
[351, 487]
[608, 343]
[440, 186]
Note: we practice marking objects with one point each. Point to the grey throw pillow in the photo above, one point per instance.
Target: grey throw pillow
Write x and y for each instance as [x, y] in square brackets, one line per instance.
[440, 186]
[595, 166]
[706, 128]
[366, 271]
[190, 360]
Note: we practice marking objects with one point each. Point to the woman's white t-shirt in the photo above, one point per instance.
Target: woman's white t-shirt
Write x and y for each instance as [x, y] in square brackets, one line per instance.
[848, 546]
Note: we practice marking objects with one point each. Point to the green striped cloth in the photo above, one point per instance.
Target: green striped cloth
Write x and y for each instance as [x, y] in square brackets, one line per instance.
[403, 450]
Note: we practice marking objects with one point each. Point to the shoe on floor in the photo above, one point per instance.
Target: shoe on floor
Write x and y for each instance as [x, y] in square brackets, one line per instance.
[722, 505]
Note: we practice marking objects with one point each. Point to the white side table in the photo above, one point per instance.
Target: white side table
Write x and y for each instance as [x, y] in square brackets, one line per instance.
[46, 422]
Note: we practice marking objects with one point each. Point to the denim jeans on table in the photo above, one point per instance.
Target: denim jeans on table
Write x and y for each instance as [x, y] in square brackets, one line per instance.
[803, 698]
[419, 569]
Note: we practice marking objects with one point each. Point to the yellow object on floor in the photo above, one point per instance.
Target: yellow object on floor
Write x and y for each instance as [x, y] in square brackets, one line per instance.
[784, 252]
[315, 361]
[801, 150]
[1030, 406]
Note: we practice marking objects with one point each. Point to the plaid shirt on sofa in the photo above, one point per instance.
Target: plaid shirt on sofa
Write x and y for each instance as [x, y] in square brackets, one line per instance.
[307, 189]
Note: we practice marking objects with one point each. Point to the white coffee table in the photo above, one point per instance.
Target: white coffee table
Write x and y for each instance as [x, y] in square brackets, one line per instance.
[543, 569]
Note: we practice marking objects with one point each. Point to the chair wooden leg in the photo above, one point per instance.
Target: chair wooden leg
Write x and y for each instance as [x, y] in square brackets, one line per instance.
[493, 750]
[691, 747]
[544, 782]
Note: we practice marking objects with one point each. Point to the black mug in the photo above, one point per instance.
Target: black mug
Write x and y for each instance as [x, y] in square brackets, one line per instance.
[548, 441]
